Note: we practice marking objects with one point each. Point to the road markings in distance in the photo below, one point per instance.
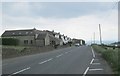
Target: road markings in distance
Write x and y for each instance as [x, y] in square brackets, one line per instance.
[93, 52]
[20, 71]
[86, 71]
[95, 69]
[46, 61]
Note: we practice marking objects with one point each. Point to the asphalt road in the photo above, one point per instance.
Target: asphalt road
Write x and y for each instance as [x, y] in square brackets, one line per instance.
[70, 60]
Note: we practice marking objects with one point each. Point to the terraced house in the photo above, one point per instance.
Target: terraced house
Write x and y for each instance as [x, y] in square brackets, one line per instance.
[32, 37]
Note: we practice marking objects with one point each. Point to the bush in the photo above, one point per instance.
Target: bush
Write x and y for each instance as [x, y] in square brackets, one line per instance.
[10, 41]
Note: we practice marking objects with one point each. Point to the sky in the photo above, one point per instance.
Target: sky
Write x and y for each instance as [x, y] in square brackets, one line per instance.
[73, 19]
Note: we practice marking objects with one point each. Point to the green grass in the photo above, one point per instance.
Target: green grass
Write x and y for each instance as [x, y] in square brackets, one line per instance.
[111, 55]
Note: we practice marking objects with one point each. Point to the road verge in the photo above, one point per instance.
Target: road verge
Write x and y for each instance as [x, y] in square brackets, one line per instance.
[111, 55]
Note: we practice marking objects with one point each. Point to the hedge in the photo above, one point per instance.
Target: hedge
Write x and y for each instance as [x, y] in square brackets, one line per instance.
[10, 41]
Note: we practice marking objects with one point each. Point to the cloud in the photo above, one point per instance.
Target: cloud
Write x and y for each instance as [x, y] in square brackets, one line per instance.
[59, 0]
[55, 9]
[66, 18]
[79, 27]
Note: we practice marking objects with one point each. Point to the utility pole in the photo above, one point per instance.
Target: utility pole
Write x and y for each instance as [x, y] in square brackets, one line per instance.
[91, 40]
[94, 37]
[100, 34]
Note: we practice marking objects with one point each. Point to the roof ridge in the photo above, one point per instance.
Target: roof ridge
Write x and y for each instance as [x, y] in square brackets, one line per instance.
[21, 30]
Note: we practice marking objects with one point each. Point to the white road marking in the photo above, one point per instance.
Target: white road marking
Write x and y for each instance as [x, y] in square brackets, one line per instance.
[95, 69]
[20, 71]
[92, 61]
[95, 63]
[59, 55]
[50, 59]
[46, 61]
[93, 52]
[86, 71]
[43, 62]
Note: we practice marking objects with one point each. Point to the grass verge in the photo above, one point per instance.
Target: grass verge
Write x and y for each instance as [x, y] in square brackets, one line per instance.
[112, 56]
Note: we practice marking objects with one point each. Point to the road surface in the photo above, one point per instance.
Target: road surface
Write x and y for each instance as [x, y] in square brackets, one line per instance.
[70, 60]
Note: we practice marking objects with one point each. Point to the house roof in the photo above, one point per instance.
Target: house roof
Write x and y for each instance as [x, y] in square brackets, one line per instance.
[42, 35]
[28, 32]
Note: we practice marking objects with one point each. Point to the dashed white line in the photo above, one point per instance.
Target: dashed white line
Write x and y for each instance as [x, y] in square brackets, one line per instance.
[59, 55]
[86, 71]
[46, 61]
[95, 69]
[20, 71]
[92, 61]
[93, 52]
[50, 59]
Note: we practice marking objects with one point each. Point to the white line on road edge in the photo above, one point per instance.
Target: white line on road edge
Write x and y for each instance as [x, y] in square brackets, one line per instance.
[92, 61]
[46, 61]
[93, 52]
[20, 71]
[95, 69]
[88, 67]
[86, 71]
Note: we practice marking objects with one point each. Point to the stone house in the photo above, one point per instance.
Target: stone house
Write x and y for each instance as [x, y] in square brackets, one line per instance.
[31, 37]
[55, 37]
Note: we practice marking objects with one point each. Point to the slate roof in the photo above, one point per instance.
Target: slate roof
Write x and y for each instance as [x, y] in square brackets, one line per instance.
[28, 32]
[42, 35]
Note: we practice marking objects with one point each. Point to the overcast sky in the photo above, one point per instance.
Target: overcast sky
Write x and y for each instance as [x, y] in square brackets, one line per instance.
[74, 19]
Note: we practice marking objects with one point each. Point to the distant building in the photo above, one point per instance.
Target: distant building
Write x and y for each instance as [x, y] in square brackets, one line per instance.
[80, 41]
[30, 37]
[55, 36]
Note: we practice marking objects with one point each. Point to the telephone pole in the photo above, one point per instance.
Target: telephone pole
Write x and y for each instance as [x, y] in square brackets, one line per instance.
[100, 34]
[94, 37]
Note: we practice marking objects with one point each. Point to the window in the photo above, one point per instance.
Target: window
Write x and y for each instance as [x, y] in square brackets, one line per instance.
[19, 32]
[13, 33]
[31, 41]
[26, 32]
[25, 41]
